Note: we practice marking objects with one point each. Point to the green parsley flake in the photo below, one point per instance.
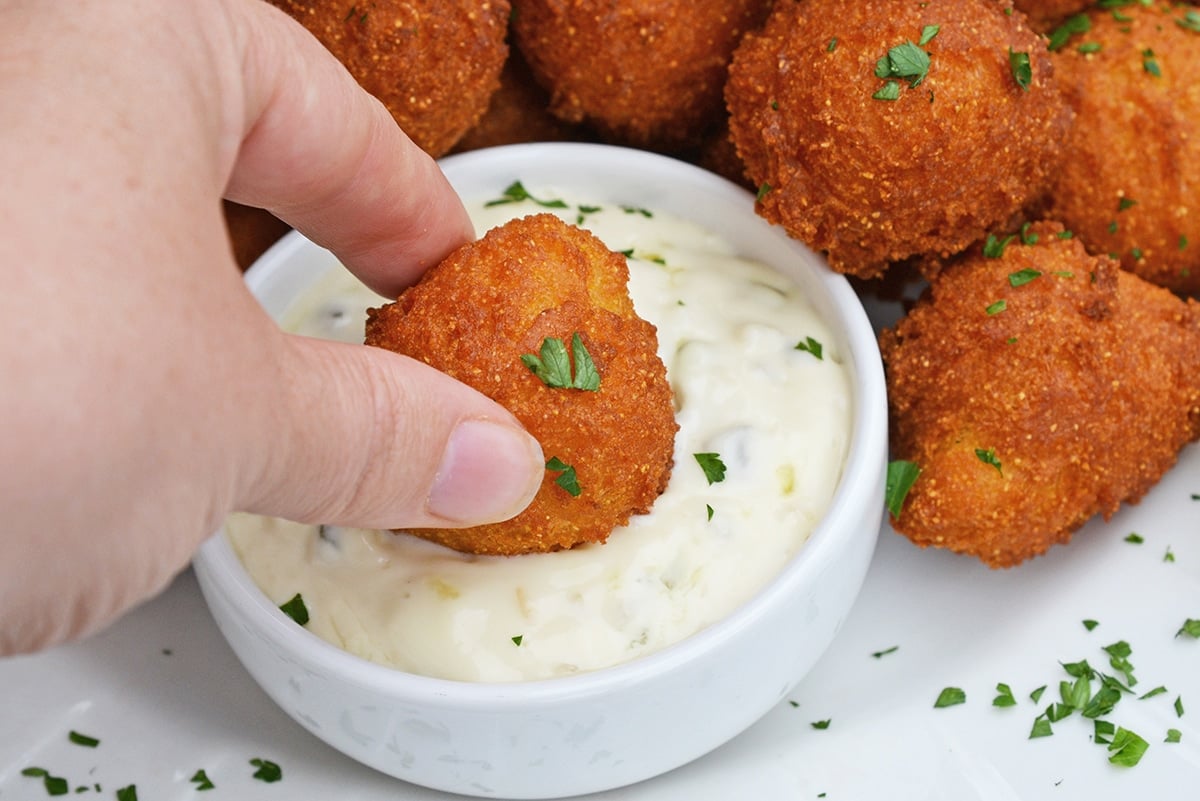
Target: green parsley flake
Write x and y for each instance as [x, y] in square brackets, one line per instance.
[997, 307]
[55, 785]
[1022, 71]
[709, 509]
[267, 771]
[889, 91]
[811, 346]
[1090, 624]
[1135, 539]
[127, 793]
[1178, 706]
[1169, 556]
[1004, 696]
[82, 739]
[1173, 736]
[516, 193]
[1159, 690]
[901, 476]
[993, 246]
[927, 34]
[1190, 627]
[1102, 732]
[885, 652]
[553, 365]
[905, 60]
[1079, 23]
[763, 189]
[713, 467]
[1022, 277]
[1125, 203]
[950, 696]
[1190, 21]
[201, 780]
[1150, 63]
[1126, 748]
[1036, 695]
[821, 725]
[518, 639]
[832, 45]
[1041, 727]
[567, 478]
[988, 457]
[296, 609]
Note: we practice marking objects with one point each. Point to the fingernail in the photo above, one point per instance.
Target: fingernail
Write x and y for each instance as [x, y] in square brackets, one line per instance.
[489, 472]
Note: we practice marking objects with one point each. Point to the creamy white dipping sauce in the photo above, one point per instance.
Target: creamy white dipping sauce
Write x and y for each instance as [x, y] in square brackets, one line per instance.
[778, 416]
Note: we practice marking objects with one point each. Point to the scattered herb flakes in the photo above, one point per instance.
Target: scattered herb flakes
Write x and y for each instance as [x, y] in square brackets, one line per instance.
[1190, 627]
[713, 467]
[1125, 203]
[829, 48]
[927, 34]
[1119, 653]
[639, 211]
[889, 91]
[201, 780]
[1135, 538]
[795, 704]
[1102, 702]
[82, 739]
[812, 346]
[1004, 696]
[1078, 23]
[517, 193]
[266, 770]
[553, 365]
[1058, 711]
[1036, 695]
[821, 725]
[997, 307]
[1028, 237]
[1022, 70]
[901, 475]
[988, 457]
[1169, 556]
[885, 652]
[1159, 690]
[127, 793]
[55, 785]
[1173, 736]
[1150, 63]
[296, 609]
[708, 508]
[1041, 727]
[1090, 624]
[517, 640]
[763, 189]
[1102, 732]
[1076, 694]
[1126, 748]
[1190, 21]
[993, 246]
[905, 60]
[567, 478]
[1022, 277]
[950, 696]
[1179, 706]
[1089, 47]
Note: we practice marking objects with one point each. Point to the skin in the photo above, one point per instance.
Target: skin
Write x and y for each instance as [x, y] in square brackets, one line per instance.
[146, 395]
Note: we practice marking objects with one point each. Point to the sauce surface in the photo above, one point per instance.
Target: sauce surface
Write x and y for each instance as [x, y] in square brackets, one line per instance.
[741, 347]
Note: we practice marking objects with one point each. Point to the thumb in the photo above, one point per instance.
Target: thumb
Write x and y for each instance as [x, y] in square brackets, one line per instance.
[366, 437]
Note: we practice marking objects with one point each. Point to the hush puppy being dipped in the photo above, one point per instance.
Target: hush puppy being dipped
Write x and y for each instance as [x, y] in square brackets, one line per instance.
[882, 130]
[1036, 386]
[537, 316]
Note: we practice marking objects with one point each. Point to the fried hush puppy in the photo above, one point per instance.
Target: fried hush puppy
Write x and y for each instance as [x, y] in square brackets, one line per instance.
[482, 316]
[647, 74]
[433, 63]
[1129, 182]
[1035, 389]
[885, 129]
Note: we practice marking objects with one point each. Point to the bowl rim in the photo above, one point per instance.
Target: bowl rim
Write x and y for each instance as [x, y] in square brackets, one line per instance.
[861, 472]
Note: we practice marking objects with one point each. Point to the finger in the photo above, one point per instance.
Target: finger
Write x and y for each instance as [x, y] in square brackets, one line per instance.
[370, 438]
[326, 157]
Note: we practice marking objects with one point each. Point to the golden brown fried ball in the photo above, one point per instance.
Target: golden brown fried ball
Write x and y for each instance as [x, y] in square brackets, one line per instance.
[1035, 391]
[1129, 182]
[1045, 15]
[966, 142]
[646, 73]
[433, 63]
[492, 301]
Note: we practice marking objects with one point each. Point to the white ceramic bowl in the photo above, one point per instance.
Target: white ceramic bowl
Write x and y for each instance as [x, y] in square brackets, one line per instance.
[612, 727]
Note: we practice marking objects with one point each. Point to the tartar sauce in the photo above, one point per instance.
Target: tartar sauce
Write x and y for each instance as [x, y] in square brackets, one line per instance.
[758, 380]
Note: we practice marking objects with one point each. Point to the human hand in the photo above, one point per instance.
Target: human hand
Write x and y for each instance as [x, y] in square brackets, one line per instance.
[146, 394]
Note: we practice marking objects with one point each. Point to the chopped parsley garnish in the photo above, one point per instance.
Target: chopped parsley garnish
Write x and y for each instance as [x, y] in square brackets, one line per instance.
[1022, 72]
[1022, 277]
[517, 193]
[997, 307]
[638, 210]
[1190, 627]
[811, 346]
[267, 771]
[709, 510]
[517, 640]
[1150, 63]
[885, 652]
[713, 467]
[1125, 203]
[889, 91]
[1173, 736]
[950, 696]
[905, 61]
[901, 476]
[1028, 236]
[1135, 539]
[927, 34]
[763, 189]
[1179, 706]
[567, 479]
[82, 739]
[1118, 654]
[1036, 695]
[1041, 727]
[128, 793]
[821, 725]
[988, 456]
[553, 365]
[1102, 732]
[55, 785]
[1079, 23]
[201, 780]
[1190, 21]
[1126, 748]
[829, 48]
[1004, 696]
[296, 609]
[1169, 556]
[1090, 624]
[993, 247]
[1159, 690]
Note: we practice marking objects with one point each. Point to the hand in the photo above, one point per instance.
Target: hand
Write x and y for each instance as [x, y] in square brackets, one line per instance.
[145, 393]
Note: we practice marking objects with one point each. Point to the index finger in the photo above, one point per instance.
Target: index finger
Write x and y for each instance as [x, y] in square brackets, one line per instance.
[326, 157]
